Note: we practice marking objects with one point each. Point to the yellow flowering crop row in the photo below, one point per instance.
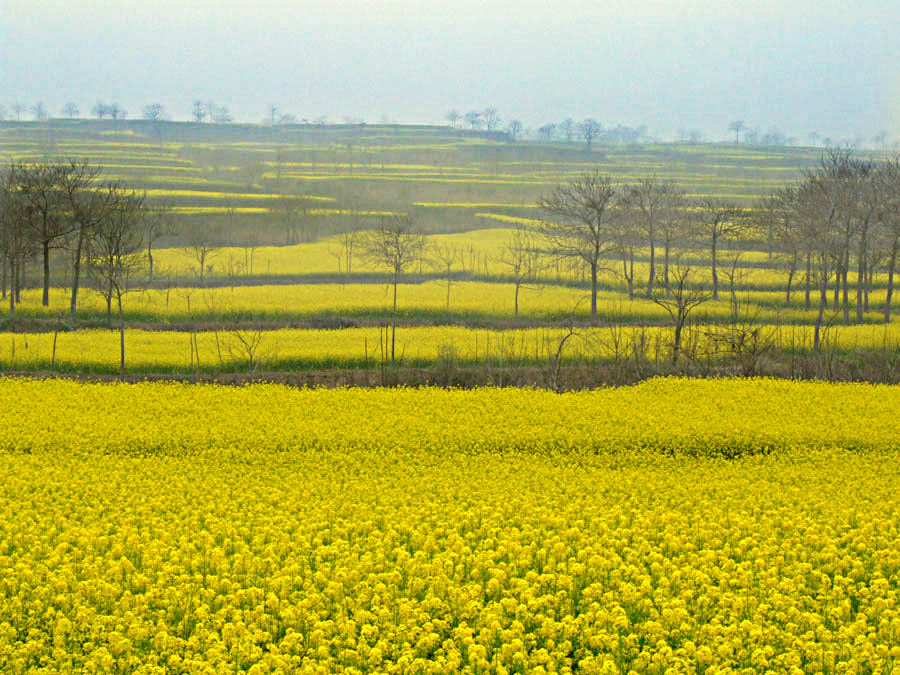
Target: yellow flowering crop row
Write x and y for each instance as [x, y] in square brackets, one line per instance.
[206, 194]
[474, 205]
[97, 351]
[161, 528]
[479, 253]
[675, 416]
[468, 300]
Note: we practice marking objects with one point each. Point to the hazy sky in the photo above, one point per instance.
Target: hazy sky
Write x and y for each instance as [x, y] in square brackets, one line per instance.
[829, 66]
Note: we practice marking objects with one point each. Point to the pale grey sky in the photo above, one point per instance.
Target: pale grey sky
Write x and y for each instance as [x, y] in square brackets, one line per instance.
[800, 65]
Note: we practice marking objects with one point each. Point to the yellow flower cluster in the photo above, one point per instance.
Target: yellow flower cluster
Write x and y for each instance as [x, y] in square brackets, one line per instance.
[173, 529]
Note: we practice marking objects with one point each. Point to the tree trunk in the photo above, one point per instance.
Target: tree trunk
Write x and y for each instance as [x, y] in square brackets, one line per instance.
[12, 292]
[667, 252]
[121, 338]
[3, 277]
[45, 252]
[150, 261]
[76, 272]
[676, 344]
[817, 332]
[631, 273]
[518, 284]
[808, 281]
[650, 278]
[860, 281]
[823, 302]
[870, 284]
[892, 267]
[394, 316]
[109, 309]
[790, 280]
[594, 290]
[20, 279]
[715, 274]
[837, 288]
[845, 271]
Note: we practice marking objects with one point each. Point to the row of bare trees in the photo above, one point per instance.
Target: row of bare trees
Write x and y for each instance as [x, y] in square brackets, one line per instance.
[591, 220]
[63, 213]
[835, 229]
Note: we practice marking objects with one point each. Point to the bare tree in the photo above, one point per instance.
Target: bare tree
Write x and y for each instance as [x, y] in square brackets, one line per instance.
[514, 129]
[100, 110]
[154, 112]
[159, 221]
[198, 111]
[244, 346]
[453, 117]
[522, 258]
[652, 203]
[889, 217]
[821, 230]
[737, 127]
[443, 258]
[626, 238]
[250, 244]
[356, 223]
[717, 220]
[202, 245]
[682, 299]
[774, 217]
[40, 189]
[70, 110]
[547, 132]
[589, 129]
[220, 114]
[114, 257]
[87, 207]
[395, 244]
[116, 111]
[15, 244]
[579, 224]
[567, 127]
[292, 213]
[39, 111]
[491, 118]
[474, 119]
[342, 250]
[18, 108]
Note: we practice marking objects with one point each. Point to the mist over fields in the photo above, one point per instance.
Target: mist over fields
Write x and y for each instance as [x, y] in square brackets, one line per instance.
[798, 66]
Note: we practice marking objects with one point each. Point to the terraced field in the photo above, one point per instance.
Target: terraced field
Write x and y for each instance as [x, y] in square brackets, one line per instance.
[707, 525]
[254, 192]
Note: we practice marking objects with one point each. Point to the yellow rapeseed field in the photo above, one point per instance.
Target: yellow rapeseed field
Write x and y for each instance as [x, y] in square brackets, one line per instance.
[242, 348]
[427, 300]
[161, 528]
[479, 252]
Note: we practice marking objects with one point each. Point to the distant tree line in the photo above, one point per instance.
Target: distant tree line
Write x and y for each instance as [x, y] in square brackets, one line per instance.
[588, 130]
